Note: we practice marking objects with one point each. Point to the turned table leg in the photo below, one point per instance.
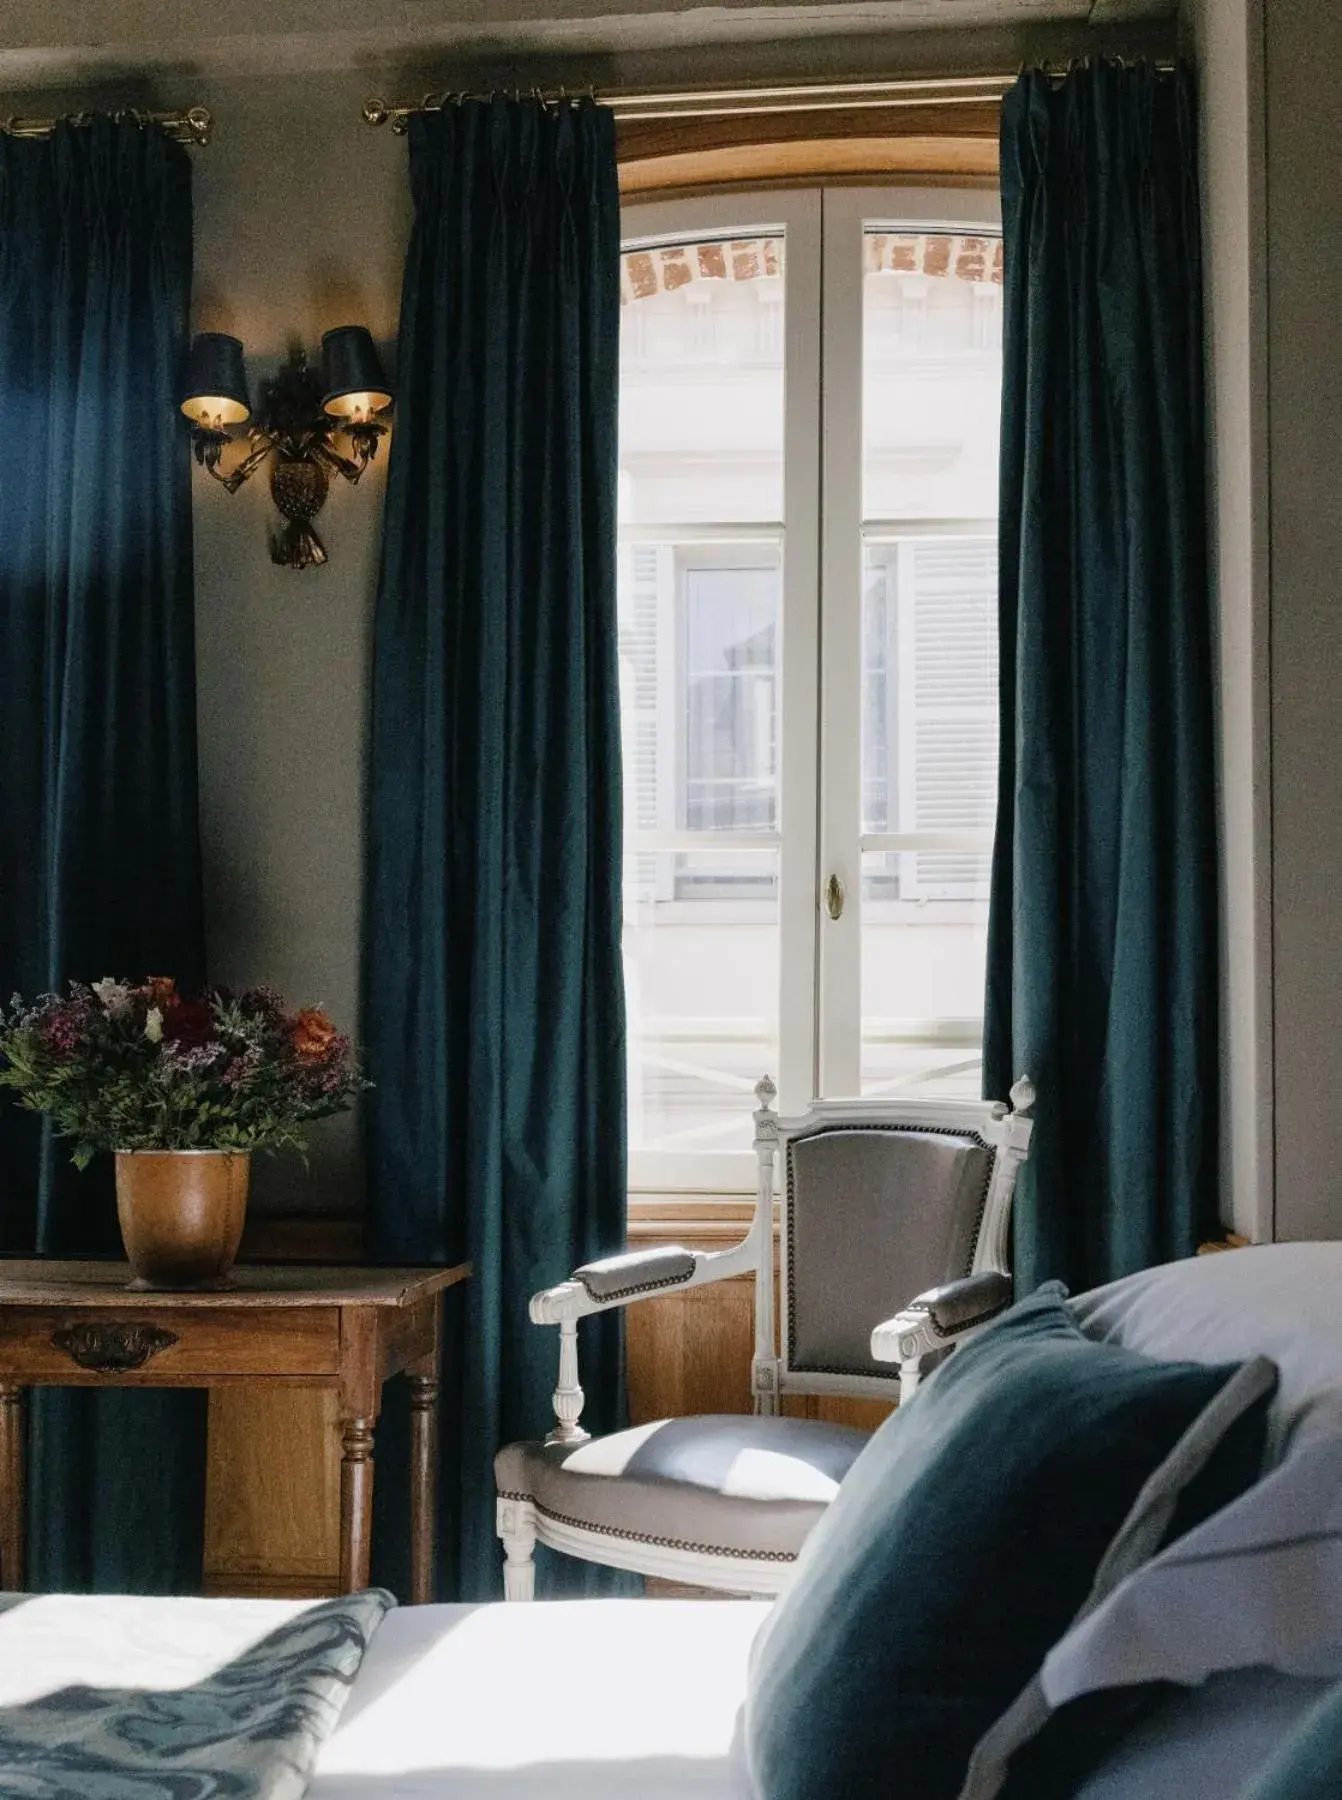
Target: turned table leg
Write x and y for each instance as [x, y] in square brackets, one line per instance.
[11, 1488]
[423, 1482]
[356, 1503]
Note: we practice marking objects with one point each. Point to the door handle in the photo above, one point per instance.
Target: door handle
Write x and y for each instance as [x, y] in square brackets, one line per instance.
[834, 897]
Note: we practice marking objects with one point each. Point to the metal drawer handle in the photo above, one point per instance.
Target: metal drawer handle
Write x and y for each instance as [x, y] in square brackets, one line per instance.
[110, 1348]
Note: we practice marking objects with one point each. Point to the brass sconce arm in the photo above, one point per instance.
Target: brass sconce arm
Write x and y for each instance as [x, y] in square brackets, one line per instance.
[207, 446]
[363, 439]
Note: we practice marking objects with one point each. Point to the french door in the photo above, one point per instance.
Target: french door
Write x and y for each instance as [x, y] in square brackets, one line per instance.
[810, 385]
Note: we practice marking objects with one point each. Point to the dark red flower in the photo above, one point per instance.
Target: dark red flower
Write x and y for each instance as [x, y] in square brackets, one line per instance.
[188, 1023]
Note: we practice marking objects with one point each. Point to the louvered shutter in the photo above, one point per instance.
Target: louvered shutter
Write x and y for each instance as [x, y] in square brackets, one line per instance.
[948, 709]
[641, 702]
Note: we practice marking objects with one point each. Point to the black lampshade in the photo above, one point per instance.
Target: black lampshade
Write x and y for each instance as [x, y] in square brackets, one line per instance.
[216, 381]
[352, 374]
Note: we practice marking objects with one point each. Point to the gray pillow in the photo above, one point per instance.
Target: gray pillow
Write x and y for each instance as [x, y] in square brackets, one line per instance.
[1259, 1584]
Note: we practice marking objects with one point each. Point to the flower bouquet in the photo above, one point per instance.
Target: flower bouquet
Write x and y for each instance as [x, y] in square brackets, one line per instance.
[181, 1089]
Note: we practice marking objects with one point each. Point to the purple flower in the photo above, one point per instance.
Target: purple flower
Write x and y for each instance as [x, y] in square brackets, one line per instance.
[240, 1068]
[198, 1058]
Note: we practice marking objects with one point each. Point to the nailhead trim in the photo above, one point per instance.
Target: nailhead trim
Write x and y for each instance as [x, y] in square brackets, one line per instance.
[660, 1543]
[642, 1287]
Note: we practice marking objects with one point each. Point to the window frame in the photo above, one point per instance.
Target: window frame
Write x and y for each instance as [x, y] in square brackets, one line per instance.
[820, 650]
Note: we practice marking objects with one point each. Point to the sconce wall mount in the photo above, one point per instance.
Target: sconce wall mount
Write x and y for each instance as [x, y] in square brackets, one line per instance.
[308, 425]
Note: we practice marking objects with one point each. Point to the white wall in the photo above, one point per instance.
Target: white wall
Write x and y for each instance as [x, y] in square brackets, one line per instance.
[1272, 119]
[1303, 46]
[1226, 40]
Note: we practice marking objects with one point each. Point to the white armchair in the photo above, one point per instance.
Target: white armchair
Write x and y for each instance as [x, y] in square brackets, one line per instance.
[878, 1200]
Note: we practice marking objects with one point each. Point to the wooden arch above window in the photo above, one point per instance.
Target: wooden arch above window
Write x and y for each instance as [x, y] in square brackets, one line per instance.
[944, 142]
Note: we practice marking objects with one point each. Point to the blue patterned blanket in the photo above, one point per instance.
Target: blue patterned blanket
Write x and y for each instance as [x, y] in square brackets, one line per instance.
[119, 1698]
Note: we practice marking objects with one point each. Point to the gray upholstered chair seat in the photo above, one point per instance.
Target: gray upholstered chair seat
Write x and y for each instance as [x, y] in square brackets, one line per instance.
[735, 1485]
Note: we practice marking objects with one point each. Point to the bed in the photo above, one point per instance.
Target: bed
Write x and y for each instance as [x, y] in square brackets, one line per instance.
[570, 1700]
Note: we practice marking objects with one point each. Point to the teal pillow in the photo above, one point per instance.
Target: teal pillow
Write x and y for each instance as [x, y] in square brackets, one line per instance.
[959, 1548]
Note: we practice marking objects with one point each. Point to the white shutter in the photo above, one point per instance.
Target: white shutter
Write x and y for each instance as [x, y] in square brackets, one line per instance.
[948, 682]
[641, 700]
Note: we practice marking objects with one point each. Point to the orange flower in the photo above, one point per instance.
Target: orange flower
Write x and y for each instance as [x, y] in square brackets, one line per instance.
[311, 1034]
[160, 990]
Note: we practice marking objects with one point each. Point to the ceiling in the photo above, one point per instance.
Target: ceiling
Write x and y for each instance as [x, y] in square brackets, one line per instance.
[63, 41]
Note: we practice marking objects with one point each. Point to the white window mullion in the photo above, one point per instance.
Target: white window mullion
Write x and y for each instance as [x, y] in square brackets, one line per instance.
[841, 650]
[799, 691]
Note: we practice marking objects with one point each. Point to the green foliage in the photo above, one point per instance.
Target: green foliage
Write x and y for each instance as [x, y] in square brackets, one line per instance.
[138, 1066]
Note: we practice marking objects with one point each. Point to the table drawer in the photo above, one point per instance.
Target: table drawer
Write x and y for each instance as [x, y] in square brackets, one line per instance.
[138, 1345]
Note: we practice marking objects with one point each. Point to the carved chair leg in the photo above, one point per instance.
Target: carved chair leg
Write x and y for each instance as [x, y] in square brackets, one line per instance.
[517, 1528]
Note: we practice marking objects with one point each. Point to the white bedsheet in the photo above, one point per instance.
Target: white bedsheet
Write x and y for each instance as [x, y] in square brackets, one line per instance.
[571, 1700]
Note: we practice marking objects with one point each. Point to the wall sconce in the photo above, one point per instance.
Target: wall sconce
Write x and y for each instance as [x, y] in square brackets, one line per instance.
[301, 418]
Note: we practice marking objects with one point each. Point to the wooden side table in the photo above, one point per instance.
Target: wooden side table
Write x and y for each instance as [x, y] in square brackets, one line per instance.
[74, 1324]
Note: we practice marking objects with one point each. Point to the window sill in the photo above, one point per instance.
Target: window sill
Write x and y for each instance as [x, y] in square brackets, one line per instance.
[700, 1222]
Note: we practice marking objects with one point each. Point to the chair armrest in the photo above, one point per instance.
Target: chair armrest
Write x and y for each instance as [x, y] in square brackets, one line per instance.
[636, 1272]
[958, 1306]
[939, 1316]
[618, 1280]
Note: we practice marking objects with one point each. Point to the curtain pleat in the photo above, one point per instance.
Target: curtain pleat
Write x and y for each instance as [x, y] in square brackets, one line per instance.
[493, 991]
[1102, 963]
[99, 850]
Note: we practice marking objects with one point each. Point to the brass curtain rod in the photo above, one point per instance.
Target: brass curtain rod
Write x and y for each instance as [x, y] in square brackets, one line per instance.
[190, 126]
[707, 103]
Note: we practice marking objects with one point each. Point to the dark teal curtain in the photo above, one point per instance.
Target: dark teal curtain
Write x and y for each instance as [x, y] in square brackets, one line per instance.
[493, 996]
[99, 858]
[1102, 962]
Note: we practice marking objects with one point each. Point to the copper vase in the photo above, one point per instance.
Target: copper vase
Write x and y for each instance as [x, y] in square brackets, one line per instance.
[181, 1214]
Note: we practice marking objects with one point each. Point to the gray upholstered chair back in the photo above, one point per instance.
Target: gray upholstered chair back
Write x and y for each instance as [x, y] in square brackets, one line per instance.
[872, 1213]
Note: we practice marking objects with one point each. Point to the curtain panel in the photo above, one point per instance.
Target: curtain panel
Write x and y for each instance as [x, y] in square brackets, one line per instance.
[99, 851]
[493, 988]
[1102, 961]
